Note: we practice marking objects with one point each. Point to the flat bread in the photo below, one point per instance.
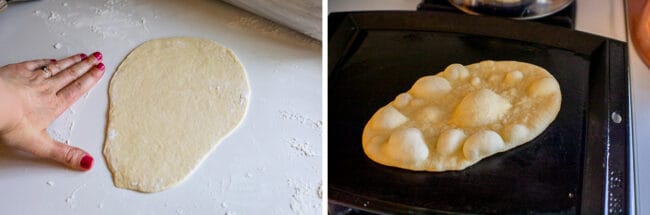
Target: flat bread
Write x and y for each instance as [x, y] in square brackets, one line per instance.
[457, 117]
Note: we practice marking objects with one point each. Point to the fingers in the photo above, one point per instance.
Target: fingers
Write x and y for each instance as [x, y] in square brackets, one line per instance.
[75, 71]
[58, 66]
[44, 146]
[70, 93]
[37, 64]
[70, 156]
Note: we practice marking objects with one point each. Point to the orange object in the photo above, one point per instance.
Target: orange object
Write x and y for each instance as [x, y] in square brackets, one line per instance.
[639, 23]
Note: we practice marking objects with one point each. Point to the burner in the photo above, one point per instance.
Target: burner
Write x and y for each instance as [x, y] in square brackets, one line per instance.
[564, 18]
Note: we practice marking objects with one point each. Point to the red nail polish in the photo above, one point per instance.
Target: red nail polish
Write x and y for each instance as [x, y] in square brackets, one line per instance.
[52, 60]
[98, 55]
[83, 56]
[100, 66]
[86, 162]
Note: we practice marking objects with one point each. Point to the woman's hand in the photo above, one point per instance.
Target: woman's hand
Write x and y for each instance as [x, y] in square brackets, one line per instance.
[34, 93]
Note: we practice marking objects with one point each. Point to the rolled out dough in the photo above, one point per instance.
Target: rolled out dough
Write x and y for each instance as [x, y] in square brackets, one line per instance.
[172, 101]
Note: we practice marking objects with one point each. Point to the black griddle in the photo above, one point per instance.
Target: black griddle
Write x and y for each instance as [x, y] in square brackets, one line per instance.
[578, 165]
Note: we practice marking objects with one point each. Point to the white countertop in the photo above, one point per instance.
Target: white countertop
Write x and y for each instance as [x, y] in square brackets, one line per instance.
[602, 17]
[270, 165]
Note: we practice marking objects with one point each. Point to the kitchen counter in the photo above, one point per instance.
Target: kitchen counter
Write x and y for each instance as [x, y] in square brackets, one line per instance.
[270, 165]
[601, 17]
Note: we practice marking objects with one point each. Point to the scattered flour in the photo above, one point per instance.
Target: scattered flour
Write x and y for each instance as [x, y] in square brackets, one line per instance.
[61, 129]
[58, 134]
[179, 211]
[303, 148]
[288, 115]
[112, 134]
[70, 200]
[112, 19]
[261, 169]
[54, 16]
[304, 199]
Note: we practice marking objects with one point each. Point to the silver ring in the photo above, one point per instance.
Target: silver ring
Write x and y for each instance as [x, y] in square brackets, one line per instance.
[47, 71]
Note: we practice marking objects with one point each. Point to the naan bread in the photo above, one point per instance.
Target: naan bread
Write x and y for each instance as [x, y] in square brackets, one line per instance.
[453, 119]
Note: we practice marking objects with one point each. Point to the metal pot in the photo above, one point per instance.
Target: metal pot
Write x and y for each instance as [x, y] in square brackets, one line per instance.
[515, 9]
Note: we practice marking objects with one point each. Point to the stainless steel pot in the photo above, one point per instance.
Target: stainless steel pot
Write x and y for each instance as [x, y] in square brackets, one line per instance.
[515, 9]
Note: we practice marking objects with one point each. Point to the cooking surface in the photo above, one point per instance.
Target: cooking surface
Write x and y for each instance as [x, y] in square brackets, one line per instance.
[270, 164]
[545, 175]
[601, 17]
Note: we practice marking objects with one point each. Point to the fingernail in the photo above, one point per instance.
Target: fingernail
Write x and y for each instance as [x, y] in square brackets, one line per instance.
[52, 60]
[98, 55]
[100, 66]
[83, 56]
[86, 162]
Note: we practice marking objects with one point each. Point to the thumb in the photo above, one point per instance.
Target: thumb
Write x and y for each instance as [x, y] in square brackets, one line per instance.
[70, 156]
